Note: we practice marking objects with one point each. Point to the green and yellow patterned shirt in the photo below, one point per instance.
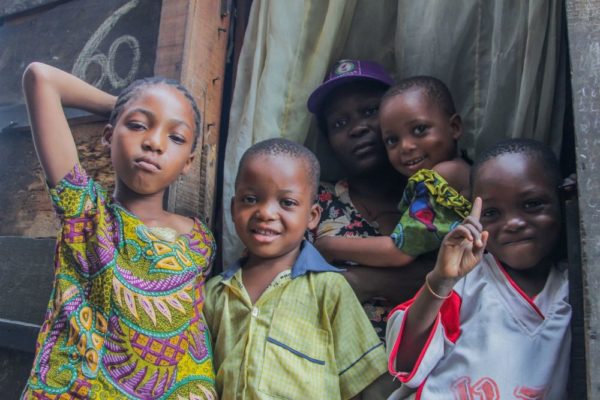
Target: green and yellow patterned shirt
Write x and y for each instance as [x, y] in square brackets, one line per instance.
[124, 320]
[306, 337]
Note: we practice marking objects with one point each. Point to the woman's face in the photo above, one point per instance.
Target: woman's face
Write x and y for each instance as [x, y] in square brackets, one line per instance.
[352, 126]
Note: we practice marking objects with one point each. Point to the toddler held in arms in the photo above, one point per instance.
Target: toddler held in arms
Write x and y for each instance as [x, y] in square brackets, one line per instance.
[420, 129]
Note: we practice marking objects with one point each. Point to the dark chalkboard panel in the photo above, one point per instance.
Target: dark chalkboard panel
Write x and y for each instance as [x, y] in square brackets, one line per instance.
[12, 7]
[108, 43]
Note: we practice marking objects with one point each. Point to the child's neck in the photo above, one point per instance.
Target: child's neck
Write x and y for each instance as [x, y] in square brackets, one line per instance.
[258, 272]
[377, 198]
[148, 208]
[388, 183]
[532, 280]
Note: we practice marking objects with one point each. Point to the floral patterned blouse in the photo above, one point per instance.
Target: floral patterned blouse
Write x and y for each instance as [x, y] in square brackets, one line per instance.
[340, 217]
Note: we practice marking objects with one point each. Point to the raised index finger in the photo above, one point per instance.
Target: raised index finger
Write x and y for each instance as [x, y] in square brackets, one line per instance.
[476, 209]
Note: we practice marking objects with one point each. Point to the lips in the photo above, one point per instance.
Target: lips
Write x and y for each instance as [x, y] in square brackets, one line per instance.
[264, 235]
[515, 242]
[147, 164]
[363, 148]
[414, 161]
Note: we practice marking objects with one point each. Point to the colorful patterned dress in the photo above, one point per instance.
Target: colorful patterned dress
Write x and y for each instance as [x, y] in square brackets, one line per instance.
[430, 208]
[124, 318]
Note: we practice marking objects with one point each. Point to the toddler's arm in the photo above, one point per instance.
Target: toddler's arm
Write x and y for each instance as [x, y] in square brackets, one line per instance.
[460, 252]
[47, 90]
[374, 251]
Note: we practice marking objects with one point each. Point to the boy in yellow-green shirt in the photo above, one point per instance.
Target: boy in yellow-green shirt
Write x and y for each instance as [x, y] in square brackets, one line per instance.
[285, 323]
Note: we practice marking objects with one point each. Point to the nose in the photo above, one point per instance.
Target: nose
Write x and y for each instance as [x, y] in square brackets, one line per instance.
[359, 129]
[515, 223]
[154, 141]
[266, 211]
[407, 145]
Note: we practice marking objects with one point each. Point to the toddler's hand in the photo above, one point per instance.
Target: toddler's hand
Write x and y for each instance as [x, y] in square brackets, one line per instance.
[461, 250]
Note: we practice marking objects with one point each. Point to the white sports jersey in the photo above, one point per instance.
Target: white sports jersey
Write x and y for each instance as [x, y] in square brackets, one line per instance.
[491, 341]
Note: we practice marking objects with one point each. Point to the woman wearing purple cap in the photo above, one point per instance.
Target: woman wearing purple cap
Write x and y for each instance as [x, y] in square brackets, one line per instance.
[365, 202]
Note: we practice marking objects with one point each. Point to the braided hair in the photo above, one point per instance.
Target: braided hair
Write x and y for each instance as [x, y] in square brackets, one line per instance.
[134, 88]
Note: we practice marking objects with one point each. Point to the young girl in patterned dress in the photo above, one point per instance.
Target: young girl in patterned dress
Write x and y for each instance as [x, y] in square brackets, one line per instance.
[420, 129]
[124, 319]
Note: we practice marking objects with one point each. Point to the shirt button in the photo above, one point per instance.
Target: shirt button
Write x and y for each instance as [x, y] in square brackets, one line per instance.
[255, 311]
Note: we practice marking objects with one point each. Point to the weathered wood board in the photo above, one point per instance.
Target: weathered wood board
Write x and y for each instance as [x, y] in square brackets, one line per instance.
[583, 23]
[24, 200]
[192, 47]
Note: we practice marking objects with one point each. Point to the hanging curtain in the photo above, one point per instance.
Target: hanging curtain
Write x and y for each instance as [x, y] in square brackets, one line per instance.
[502, 60]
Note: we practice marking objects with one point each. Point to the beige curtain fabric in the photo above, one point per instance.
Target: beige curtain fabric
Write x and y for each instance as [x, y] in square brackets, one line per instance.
[501, 59]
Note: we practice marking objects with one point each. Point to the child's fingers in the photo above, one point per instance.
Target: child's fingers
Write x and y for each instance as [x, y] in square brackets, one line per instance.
[480, 243]
[476, 209]
[474, 233]
[463, 231]
[470, 220]
[484, 238]
[458, 234]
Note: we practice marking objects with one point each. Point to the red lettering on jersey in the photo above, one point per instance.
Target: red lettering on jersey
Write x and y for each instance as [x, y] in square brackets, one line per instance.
[483, 389]
[525, 393]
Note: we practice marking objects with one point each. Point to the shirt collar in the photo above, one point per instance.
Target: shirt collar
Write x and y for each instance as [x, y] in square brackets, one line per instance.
[309, 260]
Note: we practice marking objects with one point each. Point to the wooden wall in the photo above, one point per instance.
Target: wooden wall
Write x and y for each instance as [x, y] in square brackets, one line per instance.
[192, 47]
[583, 20]
[108, 43]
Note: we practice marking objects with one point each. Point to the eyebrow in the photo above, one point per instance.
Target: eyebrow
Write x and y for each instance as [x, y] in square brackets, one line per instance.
[150, 114]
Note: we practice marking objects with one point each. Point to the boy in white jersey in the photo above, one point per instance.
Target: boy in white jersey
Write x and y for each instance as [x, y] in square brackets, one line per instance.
[494, 325]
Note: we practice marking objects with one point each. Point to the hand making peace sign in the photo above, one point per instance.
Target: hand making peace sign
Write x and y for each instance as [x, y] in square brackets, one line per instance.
[462, 248]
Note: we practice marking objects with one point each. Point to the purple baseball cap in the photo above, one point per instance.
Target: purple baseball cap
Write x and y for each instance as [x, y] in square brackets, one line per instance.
[345, 71]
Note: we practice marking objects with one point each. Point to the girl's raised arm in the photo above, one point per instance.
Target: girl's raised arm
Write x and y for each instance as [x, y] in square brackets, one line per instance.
[47, 90]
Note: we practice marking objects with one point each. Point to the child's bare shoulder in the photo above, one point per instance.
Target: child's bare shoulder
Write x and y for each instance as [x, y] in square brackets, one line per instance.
[456, 173]
[456, 166]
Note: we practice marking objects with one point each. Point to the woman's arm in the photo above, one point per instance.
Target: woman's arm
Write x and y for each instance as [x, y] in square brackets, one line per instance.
[374, 251]
[47, 90]
[460, 252]
[396, 285]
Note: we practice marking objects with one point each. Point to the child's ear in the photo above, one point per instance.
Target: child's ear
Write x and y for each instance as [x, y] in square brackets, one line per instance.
[107, 134]
[231, 205]
[315, 216]
[456, 126]
[188, 164]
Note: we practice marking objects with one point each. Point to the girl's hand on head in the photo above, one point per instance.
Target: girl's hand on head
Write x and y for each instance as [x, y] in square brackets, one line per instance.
[461, 250]
[47, 90]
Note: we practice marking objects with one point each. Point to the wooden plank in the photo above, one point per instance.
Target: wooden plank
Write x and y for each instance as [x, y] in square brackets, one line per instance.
[14, 371]
[192, 47]
[583, 20]
[27, 273]
[18, 335]
[577, 373]
[24, 200]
